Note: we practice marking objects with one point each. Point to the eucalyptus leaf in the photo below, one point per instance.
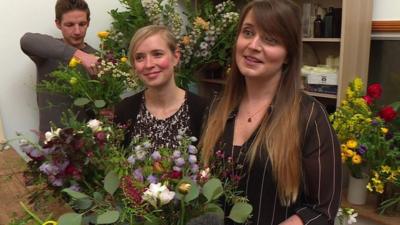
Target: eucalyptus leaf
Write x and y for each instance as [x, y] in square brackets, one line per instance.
[240, 212]
[213, 189]
[83, 203]
[152, 220]
[214, 208]
[98, 196]
[75, 194]
[100, 103]
[70, 219]
[81, 101]
[108, 217]
[111, 182]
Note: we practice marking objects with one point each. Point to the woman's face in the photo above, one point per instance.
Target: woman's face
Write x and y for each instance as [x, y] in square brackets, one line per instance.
[154, 61]
[258, 55]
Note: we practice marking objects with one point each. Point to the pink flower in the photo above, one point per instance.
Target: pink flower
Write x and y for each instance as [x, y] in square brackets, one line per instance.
[368, 99]
[387, 113]
[374, 90]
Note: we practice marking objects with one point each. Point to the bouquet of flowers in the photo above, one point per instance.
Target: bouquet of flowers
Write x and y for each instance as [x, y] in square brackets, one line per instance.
[348, 214]
[98, 92]
[370, 137]
[205, 31]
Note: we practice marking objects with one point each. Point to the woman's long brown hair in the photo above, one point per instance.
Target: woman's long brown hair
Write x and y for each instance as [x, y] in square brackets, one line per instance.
[279, 132]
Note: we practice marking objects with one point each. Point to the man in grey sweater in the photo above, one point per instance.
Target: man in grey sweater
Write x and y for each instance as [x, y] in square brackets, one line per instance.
[48, 53]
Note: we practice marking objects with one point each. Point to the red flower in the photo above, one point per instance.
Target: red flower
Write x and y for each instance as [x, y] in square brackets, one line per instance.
[175, 174]
[387, 113]
[374, 90]
[73, 171]
[368, 99]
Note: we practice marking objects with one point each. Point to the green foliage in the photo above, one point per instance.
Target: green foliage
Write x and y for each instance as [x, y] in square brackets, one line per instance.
[111, 182]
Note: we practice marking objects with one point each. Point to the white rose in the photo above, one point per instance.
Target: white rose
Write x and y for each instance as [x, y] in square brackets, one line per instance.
[166, 196]
[94, 124]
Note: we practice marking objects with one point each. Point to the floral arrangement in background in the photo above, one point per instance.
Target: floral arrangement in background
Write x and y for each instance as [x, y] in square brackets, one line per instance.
[348, 215]
[94, 92]
[370, 137]
[205, 31]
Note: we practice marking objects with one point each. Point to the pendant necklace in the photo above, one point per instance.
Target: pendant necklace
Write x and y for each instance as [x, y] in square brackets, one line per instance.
[249, 119]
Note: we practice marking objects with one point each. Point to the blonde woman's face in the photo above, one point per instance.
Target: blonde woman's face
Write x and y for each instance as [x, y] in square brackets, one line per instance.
[154, 61]
[258, 54]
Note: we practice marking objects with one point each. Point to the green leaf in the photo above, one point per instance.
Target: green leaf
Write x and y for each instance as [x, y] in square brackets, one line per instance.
[75, 194]
[213, 189]
[98, 196]
[108, 217]
[240, 212]
[193, 193]
[70, 219]
[152, 220]
[396, 105]
[111, 182]
[214, 208]
[100, 103]
[81, 101]
[83, 203]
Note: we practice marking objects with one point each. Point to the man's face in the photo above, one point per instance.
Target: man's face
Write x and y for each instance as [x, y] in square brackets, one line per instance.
[73, 26]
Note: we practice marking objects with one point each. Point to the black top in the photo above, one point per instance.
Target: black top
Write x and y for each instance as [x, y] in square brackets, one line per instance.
[133, 113]
[319, 197]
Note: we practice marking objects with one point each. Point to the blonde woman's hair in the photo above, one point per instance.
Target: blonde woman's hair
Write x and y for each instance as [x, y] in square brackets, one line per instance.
[281, 19]
[148, 31]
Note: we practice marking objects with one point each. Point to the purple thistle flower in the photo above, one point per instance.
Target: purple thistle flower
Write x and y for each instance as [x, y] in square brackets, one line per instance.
[192, 159]
[179, 162]
[56, 181]
[156, 156]
[49, 169]
[362, 149]
[152, 179]
[35, 153]
[177, 169]
[131, 159]
[176, 154]
[194, 168]
[138, 175]
[192, 149]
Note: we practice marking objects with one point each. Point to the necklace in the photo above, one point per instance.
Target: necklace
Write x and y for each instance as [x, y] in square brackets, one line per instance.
[249, 118]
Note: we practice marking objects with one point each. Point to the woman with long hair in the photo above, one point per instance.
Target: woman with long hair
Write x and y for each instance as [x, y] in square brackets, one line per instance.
[163, 110]
[291, 155]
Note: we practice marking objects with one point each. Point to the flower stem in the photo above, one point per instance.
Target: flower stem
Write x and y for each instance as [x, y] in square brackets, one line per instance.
[182, 219]
[31, 213]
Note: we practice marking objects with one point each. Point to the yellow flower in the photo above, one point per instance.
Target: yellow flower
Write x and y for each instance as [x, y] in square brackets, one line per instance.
[368, 120]
[184, 188]
[74, 62]
[349, 93]
[358, 84]
[385, 168]
[344, 102]
[185, 40]
[356, 159]
[103, 34]
[349, 153]
[50, 222]
[344, 157]
[351, 143]
[201, 23]
[384, 130]
[73, 80]
[379, 188]
[123, 59]
[392, 177]
[343, 147]
[369, 187]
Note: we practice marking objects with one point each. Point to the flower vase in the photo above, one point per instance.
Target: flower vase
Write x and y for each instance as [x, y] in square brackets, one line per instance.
[357, 191]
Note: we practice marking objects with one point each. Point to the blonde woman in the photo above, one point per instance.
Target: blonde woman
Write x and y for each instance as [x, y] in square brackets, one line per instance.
[162, 110]
[291, 156]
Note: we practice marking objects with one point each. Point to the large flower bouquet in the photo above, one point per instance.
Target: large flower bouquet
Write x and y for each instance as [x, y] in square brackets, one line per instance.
[370, 136]
[205, 31]
[94, 92]
[106, 182]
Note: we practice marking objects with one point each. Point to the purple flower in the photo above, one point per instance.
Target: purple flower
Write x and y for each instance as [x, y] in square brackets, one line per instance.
[35, 153]
[179, 162]
[56, 181]
[152, 179]
[49, 169]
[131, 159]
[192, 149]
[75, 187]
[362, 149]
[156, 156]
[176, 154]
[192, 159]
[49, 150]
[374, 123]
[194, 168]
[138, 175]
[177, 169]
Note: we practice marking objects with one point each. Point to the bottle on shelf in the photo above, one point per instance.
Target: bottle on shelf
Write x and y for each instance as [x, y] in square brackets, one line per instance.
[328, 23]
[318, 27]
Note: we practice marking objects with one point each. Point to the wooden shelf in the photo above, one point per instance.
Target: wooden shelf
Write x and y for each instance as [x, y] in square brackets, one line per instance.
[321, 95]
[368, 211]
[321, 40]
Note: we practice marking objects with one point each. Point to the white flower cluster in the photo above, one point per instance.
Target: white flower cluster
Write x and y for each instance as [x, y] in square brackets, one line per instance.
[108, 68]
[158, 195]
[347, 213]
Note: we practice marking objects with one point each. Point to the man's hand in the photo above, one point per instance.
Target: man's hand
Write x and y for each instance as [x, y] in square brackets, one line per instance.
[88, 61]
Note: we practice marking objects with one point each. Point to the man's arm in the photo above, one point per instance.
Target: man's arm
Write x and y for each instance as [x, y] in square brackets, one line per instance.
[41, 46]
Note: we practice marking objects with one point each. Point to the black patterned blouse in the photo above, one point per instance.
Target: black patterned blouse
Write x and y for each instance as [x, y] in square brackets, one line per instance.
[162, 132]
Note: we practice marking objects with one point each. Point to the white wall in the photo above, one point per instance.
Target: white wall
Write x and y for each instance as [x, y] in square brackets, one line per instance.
[386, 10]
[18, 108]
